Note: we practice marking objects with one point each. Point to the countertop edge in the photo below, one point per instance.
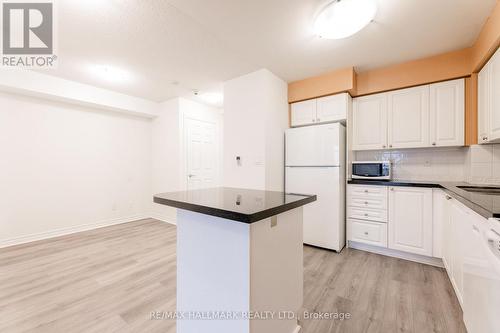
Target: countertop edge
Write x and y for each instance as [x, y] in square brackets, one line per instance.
[235, 216]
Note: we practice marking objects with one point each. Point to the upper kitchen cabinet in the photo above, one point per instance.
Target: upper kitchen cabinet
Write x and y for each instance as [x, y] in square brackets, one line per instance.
[320, 110]
[332, 108]
[489, 101]
[408, 118]
[447, 113]
[303, 113]
[369, 122]
[425, 116]
[482, 105]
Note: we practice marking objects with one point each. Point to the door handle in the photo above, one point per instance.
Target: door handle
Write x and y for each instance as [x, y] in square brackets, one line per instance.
[190, 176]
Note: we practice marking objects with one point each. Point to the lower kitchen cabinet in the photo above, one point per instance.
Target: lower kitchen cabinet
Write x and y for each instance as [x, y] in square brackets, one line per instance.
[459, 239]
[368, 232]
[410, 220]
[430, 223]
[457, 244]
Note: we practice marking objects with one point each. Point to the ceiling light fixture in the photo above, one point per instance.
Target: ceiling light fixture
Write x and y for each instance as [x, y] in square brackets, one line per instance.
[111, 74]
[343, 18]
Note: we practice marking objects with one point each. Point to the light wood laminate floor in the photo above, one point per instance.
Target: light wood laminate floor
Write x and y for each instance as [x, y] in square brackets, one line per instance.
[111, 279]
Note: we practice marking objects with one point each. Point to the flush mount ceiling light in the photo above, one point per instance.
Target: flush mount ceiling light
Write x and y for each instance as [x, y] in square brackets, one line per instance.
[343, 18]
[110, 74]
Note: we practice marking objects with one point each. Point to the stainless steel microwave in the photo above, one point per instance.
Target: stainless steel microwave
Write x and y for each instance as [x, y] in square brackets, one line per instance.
[375, 170]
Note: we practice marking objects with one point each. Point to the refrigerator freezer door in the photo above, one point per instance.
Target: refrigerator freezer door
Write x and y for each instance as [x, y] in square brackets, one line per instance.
[324, 219]
[314, 145]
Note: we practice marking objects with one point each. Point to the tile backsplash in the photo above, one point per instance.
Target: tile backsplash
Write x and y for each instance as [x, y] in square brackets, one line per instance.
[484, 164]
[477, 164]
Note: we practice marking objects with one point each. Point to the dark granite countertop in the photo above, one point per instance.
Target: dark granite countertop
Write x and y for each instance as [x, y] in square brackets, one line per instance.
[486, 205]
[242, 205]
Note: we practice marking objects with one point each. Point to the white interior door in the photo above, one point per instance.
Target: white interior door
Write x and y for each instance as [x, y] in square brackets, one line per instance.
[201, 154]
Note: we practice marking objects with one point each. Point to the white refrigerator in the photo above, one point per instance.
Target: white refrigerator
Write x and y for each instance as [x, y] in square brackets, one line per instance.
[315, 164]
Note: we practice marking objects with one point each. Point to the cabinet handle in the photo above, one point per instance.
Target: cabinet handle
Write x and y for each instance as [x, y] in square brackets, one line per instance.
[366, 191]
[366, 214]
[390, 146]
[366, 202]
[366, 233]
[433, 143]
[384, 146]
[314, 120]
[448, 197]
[318, 119]
[392, 188]
[485, 138]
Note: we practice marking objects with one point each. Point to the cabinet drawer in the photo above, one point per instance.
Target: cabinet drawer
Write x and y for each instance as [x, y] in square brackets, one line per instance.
[377, 215]
[368, 202]
[367, 232]
[367, 191]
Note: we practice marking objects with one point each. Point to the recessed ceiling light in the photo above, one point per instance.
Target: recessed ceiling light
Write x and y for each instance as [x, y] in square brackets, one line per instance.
[110, 73]
[343, 18]
[212, 98]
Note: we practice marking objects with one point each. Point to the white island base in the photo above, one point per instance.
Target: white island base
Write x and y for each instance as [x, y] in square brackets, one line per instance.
[227, 268]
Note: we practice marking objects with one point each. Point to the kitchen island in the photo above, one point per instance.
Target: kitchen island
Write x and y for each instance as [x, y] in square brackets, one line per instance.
[239, 259]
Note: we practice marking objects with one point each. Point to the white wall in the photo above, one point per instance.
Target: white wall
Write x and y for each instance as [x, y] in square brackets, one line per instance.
[65, 168]
[165, 142]
[255, 119]
[169, 167]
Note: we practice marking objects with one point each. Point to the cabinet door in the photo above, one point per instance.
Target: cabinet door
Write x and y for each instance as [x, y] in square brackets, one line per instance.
[483, 104]
[332, 108]
[303, 113]
[447, 113]
[369, 122]
[494, 98]
[408, 118]
[440, 218]
[460, 220]
[410, 220]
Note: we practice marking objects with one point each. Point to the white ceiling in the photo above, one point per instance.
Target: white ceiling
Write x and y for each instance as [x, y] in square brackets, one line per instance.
[202, 43]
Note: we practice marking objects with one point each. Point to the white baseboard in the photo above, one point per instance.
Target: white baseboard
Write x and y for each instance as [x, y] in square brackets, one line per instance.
[163, 218]
[70, 230]
[396, 254]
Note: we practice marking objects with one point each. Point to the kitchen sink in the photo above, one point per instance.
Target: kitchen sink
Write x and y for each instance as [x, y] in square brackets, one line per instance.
[481, 189]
